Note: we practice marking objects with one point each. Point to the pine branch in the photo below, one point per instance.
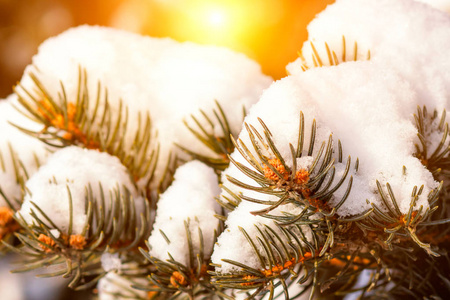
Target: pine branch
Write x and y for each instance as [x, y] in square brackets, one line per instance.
[8, 225]
[346, 244]
[89, 122]
[332, 59]
[77, 256]
[437, 160]
[221, 145]
[286, 257]
[309, 188]
[398, 225]
[173, 279]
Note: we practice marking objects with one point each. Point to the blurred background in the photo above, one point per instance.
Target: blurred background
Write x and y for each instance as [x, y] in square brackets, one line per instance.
[269, 31]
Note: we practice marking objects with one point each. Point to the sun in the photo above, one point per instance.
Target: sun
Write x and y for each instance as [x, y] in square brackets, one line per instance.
[217, 17]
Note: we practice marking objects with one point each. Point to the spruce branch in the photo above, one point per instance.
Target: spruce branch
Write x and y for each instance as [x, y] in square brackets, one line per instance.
[410, 275]
[230, 202]
[346, 244]
[221, 145]
[173, 279]
[436, 159]
[331, 59]
[77, 256]
[119, 283]
[285, 256]
[8, 225]
[126, 291]
[397, 225]
[19, 169]
[89, 122]
[310, 188]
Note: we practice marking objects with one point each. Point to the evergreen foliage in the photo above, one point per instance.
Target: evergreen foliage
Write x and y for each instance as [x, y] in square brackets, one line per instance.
[317, 250]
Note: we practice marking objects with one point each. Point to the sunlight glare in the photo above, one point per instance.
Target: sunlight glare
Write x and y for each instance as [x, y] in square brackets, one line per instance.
[216, 18]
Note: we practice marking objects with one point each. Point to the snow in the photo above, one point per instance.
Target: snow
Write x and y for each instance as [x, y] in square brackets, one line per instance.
[111, 261]
[73, 169]
[366, 104]
[115, 286]
[406, 34]
[232, 243]
[190, 197]
[443, 5]
[25, 148]
[170, 80]
[55, 233]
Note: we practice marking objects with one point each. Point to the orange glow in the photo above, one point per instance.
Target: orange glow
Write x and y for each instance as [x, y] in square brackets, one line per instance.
[269, 31]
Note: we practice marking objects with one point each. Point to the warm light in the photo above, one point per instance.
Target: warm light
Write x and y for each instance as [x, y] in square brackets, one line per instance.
[269, 31]
[220, 23]
[217, 18]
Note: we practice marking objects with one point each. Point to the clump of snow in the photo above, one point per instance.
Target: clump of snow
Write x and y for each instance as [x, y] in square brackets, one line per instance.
[367, 105]
[409, 52]
[374, 103]
[408, 39]
[24, 148]
[191, 196]
[111, 262]
[443, 5]
[232, 243]
[115, 286]
[55, 233]
[74, 169]
[168, 79]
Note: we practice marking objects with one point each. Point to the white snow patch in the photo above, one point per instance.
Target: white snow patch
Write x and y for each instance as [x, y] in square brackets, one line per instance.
[73, 169]
[111, 262]
[443, 5]
[167, 79]
[191, 196]
[367, 105]
[24, 148]
[115, 286]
